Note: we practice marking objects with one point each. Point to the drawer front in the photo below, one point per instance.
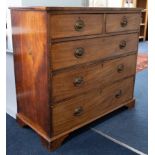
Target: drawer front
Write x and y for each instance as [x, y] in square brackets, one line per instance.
[77, 52]
[122, 22]
[75, 25]
[75, 81]
[87, 107]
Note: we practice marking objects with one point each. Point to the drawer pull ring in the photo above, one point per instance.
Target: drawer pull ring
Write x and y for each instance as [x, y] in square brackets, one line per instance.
[78, 111]
[122, 44]
[120, 68]
[78, 81]
[124, 22]
[79, 25]
[118, 94]
[79, 52]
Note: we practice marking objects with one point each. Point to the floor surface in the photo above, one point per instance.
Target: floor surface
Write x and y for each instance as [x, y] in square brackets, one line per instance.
[130, 126]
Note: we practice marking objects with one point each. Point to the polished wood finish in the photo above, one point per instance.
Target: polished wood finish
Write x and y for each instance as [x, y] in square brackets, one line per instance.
[131, 104]
[63, 54]
[105, 98]
[75, 62]
[114, 22]
[78, 9]
[51, 146]
[58, 40]
[31, 66]
[20, 122]
[65, 25]
[93, 76]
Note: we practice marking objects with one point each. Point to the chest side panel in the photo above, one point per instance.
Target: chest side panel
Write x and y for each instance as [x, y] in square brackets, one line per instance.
[31, 67]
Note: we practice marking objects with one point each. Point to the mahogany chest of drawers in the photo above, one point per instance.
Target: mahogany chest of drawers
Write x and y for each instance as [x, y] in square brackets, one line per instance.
[72, 66]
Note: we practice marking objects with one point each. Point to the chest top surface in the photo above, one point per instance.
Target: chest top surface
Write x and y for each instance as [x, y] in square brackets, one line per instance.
[93, 9]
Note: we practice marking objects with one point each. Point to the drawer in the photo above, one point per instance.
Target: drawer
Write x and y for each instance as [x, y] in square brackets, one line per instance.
[122, 22]
[75, 25]
[77, 52]
[81, 79]
[87, 107]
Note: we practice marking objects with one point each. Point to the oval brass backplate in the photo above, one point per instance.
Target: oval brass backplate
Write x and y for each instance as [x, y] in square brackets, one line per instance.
[120, 68]
[78, 111]
[79, 25]
[124, 21]
[118, 94]
[79, 52]
[78, 81]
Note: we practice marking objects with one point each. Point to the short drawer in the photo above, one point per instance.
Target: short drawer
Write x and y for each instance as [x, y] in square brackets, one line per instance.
[78, 80]
[122, 22]
[77, 52]
[87, 107]
[75, 25]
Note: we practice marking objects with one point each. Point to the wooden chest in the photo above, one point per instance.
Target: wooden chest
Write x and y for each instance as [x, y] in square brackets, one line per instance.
[72, 66]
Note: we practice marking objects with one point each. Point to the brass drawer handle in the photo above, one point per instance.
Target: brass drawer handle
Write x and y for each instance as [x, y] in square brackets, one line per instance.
[79, 52]
[122, 44]
[124, 22]
[78, 81]
[120, 68]
[79, 25]
[78, 111]
[118, 94]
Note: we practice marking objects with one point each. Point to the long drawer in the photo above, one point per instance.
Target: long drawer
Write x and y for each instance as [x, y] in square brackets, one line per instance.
[75, 25]
[77, 52]
[81, 79]
[86, 107]
[122, 22]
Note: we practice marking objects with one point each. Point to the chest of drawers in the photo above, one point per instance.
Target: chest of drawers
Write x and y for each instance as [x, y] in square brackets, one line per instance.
[72, 66]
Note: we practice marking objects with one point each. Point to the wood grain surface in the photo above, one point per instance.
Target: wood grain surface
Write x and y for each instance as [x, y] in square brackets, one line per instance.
[93, 76]
[64, 25]
[113, 22]
[63, 54]
[93, 104]
[31, 66]
[73, 65]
